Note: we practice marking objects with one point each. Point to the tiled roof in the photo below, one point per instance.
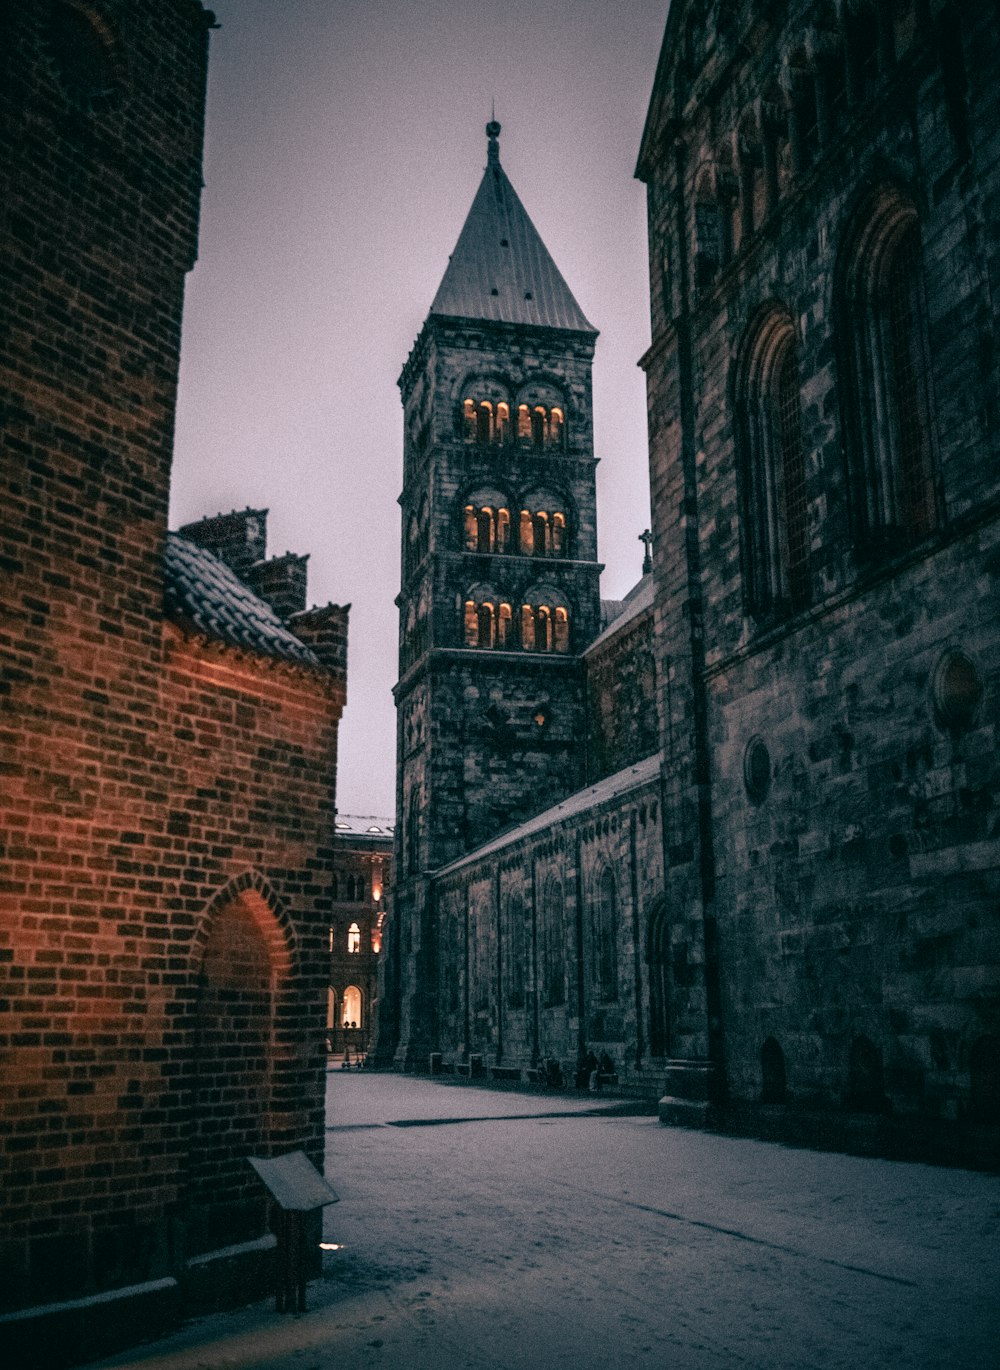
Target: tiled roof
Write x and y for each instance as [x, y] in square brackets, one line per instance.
[501, 270]
[202, 592]
[638, 599]
[353, 825]
[631, 778]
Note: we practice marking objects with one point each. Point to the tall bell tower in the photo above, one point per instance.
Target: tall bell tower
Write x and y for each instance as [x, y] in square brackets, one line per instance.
[500, 579]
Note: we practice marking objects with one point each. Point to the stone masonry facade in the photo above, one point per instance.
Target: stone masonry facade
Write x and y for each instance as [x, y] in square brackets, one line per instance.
[823, 191]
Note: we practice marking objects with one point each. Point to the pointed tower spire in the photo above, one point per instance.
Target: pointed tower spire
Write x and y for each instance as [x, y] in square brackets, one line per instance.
[500, 270]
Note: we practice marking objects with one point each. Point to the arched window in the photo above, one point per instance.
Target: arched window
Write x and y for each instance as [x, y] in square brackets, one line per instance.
[539, 426]
[485, 624]
[560, 630]
[553, 945]
[772, 471]
[516, 960]
[351, 1015]
[523, 423]
[487, 619]
[484, 530]
[484, 422]
[501, 541]
[605, 967]
[331, 1008]
[527, 627]
[772, 1069]
[541, 541]
[503, 636]
[543, 628]
[526, 534]
[558, 534]
[557, 427]
[885, 391]
[470, 422]
[353, 939]
[544, 623]
[658, 963]
[502, 432]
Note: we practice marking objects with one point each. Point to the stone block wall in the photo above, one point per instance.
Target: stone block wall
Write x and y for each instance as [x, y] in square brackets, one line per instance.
[848, 831]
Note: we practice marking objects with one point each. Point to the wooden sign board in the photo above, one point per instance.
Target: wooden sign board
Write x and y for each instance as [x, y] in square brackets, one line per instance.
[293, 1182]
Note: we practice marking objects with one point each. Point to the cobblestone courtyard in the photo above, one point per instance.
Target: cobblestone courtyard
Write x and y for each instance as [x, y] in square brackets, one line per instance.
[482, 1228]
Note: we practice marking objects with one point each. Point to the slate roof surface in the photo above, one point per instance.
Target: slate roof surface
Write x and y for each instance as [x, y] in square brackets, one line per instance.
[501, 270]
[349, 825]
[203, 593]
[631, 778]
[638, 599]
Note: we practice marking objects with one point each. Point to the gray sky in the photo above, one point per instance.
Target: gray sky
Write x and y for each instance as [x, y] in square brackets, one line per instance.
[345, 142]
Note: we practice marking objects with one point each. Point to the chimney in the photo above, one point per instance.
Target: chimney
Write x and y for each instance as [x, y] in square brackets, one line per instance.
[281, 582]
[239, 539]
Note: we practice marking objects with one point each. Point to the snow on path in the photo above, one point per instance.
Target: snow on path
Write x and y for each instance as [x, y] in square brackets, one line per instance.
[515, 1240]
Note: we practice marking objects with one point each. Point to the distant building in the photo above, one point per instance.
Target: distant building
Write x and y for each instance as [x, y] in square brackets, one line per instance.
[361, 899]
[168, 739]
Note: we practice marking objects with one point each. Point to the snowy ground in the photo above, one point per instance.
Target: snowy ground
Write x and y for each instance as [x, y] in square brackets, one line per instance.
[482, 1234]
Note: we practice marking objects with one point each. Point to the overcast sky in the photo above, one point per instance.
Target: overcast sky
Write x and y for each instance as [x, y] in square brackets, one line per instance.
[345, 142]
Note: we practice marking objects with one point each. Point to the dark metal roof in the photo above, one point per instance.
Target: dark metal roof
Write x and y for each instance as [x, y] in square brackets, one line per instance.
[501, 270]
[202, 592]
[349, 826]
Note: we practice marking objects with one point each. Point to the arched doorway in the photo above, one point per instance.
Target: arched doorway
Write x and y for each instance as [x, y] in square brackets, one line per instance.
[243, 959]
[658, 966]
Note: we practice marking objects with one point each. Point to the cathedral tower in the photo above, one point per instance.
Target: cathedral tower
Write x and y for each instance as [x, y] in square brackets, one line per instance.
[500, 590]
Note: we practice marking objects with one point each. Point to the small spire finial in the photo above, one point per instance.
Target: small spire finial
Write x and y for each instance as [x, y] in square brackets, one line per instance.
[493, 133]
[646, 539]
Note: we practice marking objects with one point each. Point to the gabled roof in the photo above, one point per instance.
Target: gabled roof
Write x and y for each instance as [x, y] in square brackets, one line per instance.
[501, 270]
[203, 593]
[636, 602]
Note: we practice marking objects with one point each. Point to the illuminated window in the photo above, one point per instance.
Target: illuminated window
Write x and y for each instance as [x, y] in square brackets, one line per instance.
[331, 1006]
[504, 626]
[353, 939]
[527, 628]
[471, 624]
[543, 629]
[561, 630]
[557, 426]
[503, 530]
[523, 423]
[527, 534]
[541, 534]
[469, 421]
[485, 530]
[503, 422]
[471, 529]
[558, 534]
[351, 1016]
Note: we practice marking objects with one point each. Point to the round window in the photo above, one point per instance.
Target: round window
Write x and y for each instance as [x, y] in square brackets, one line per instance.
[958, 690]
[757, 769]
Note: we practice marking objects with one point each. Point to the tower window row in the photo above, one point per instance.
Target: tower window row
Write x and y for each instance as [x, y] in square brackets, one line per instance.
[490, 623]
[536, 426]
[539, 534]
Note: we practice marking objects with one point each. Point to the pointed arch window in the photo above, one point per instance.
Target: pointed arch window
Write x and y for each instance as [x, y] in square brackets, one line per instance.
[605, 963]
[772, 471]
[553, 945]
[353, 939]
[885, 388]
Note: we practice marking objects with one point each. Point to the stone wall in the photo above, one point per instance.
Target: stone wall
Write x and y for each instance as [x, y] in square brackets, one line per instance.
[831, 801]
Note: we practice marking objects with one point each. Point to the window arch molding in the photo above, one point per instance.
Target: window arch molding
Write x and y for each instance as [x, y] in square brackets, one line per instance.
[546, 617]
[483, 409]
[880, 323]
[540, 415]
[487, 618]
[771, 466]
[487, 513]
[545, 522]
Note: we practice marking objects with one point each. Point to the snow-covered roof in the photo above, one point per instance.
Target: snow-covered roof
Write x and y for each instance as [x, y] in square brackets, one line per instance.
[631, 778]
[636, 602]
[375, 829]
[203, 593]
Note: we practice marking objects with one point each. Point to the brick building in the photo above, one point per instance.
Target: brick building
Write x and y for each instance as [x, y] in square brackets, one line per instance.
[362, 901]
[168, 741]
[823, 189]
